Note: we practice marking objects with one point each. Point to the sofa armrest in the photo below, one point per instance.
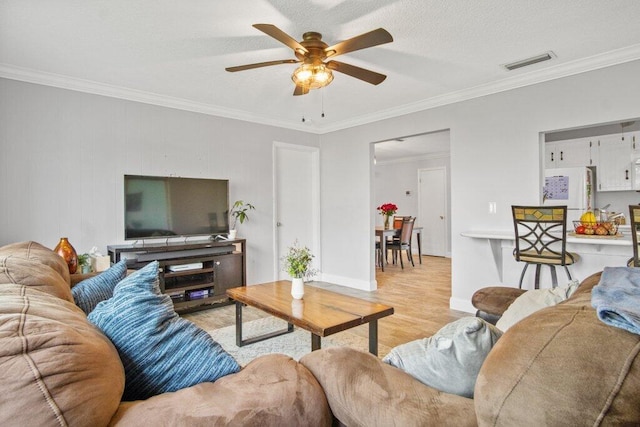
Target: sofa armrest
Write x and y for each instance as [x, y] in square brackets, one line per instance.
[495, 300]
[271, 391]
[79, 277]
[364, 391]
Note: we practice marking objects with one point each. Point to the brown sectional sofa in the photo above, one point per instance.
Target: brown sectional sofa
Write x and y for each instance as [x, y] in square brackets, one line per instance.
[560, 366]
[56, 368]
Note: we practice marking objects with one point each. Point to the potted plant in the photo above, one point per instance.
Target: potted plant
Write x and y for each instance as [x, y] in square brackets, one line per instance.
[239, 213]
[84, 261]
[297, 262]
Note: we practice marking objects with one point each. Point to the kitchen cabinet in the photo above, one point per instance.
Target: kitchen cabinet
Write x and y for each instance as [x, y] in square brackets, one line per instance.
[614, 169]
[634, 138]
[569, 153]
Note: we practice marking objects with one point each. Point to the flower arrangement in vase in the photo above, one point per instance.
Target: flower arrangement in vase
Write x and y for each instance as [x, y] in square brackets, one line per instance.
[297, 262]
[387, 210]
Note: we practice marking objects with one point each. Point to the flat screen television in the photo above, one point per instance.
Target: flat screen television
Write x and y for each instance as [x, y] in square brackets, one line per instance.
[162, 207]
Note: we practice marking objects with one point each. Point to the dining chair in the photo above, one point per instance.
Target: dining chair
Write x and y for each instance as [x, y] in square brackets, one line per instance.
[541, 239]
[404, 241]
[397, 225]
[397, 221]
[634, 218]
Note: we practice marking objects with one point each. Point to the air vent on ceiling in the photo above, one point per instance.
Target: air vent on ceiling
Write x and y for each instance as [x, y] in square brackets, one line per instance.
[529, 61]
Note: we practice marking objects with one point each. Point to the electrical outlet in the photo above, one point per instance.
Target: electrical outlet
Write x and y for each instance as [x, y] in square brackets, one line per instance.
[492, 207]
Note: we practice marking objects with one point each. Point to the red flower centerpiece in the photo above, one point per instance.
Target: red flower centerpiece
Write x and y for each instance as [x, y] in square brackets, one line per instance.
[387, 210]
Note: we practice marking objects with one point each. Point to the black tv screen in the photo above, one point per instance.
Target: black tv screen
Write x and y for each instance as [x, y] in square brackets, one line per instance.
[161, 207]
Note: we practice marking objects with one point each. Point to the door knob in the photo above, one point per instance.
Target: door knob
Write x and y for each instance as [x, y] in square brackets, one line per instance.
[441, 217]
[278, 224]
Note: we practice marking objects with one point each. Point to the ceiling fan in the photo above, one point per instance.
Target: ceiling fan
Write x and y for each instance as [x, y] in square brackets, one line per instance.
[314, 73]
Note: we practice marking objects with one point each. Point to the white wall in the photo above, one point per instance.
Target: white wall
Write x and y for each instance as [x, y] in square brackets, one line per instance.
[394, 178]
[494, 158]
[64, 154]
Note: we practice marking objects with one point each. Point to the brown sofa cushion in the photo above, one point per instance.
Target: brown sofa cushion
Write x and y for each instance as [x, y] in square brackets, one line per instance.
[562, 366]
[36, 252]
[55, 367]
[364, 391]
[34, 275]
[272, 390]
[495, 299]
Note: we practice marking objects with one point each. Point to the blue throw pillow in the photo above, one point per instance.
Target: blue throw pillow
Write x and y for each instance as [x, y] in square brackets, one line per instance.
[88, 293]
[160, 351]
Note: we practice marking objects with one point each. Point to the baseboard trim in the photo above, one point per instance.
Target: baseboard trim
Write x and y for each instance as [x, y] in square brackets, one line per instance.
[461, 305]
[350, 283]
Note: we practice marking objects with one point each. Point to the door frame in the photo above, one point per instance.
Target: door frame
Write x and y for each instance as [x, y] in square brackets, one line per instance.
[445, 208]
[315, 200]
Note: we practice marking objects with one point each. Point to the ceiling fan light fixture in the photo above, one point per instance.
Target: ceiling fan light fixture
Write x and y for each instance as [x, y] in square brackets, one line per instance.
[312, 76]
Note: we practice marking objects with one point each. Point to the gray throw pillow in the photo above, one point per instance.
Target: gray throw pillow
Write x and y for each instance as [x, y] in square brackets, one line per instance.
[451, 359]
[532, 301]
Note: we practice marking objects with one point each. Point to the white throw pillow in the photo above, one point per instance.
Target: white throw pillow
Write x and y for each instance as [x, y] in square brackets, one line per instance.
[450, 360]
[532, 301]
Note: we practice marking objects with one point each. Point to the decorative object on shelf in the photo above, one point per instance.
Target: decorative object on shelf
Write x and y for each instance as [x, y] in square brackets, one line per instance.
[68, 253]
[239, 213]
[387, 210]
[84, 261]
[98, 261]
[297, 262]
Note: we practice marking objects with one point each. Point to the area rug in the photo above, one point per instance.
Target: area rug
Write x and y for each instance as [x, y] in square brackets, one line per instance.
[295, 344]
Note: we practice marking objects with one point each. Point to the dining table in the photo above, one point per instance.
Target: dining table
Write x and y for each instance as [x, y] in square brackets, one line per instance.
[383, 233]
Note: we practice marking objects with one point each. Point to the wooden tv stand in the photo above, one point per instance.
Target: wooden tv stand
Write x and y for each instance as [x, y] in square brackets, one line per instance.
[195, 274]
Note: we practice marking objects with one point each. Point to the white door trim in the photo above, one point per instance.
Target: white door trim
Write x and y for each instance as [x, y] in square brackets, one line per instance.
[315, 197]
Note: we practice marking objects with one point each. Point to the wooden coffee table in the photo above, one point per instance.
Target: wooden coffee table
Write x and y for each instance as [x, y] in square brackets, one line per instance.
[320, 312]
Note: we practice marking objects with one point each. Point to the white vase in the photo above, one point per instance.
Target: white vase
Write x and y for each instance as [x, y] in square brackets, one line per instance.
[297, 308]
[232, 234]
[297, 288]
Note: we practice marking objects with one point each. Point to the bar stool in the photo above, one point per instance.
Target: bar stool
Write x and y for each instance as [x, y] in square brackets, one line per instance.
[634, 218]
[541, 239]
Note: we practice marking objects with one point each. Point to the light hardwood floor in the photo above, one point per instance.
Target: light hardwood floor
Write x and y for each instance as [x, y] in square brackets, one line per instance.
[419, 295]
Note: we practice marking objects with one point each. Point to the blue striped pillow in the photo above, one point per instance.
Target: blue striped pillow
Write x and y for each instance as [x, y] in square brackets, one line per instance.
[88, 293]
[160, 351]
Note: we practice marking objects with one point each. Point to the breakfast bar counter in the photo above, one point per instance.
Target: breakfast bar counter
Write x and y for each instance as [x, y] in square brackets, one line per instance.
[596, 252]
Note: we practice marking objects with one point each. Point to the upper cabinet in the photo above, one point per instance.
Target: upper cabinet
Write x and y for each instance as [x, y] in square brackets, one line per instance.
[615, 161]
[570, 153]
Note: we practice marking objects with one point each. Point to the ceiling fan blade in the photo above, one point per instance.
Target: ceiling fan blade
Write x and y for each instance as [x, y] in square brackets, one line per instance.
[281, 36]
[300, 90]
[357, 72]
[261, 64]
[363, 41]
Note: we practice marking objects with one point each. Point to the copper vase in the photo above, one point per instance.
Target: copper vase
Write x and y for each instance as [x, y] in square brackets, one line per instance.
[68, 253]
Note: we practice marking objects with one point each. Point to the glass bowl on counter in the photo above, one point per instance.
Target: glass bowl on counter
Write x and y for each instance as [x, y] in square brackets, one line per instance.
[603, 228]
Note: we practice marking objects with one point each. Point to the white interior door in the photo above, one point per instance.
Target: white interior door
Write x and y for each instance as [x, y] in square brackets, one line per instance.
[433, 210]
[297, 201]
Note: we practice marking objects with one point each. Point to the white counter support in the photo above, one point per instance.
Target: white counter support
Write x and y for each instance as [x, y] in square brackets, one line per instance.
[595, 254]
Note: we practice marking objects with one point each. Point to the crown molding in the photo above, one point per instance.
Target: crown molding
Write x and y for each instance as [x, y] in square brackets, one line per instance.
[608, 59]
[595, 62]
[96, 88]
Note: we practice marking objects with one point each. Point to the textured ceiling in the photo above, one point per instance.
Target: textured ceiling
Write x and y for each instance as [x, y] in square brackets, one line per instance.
[174, 53]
